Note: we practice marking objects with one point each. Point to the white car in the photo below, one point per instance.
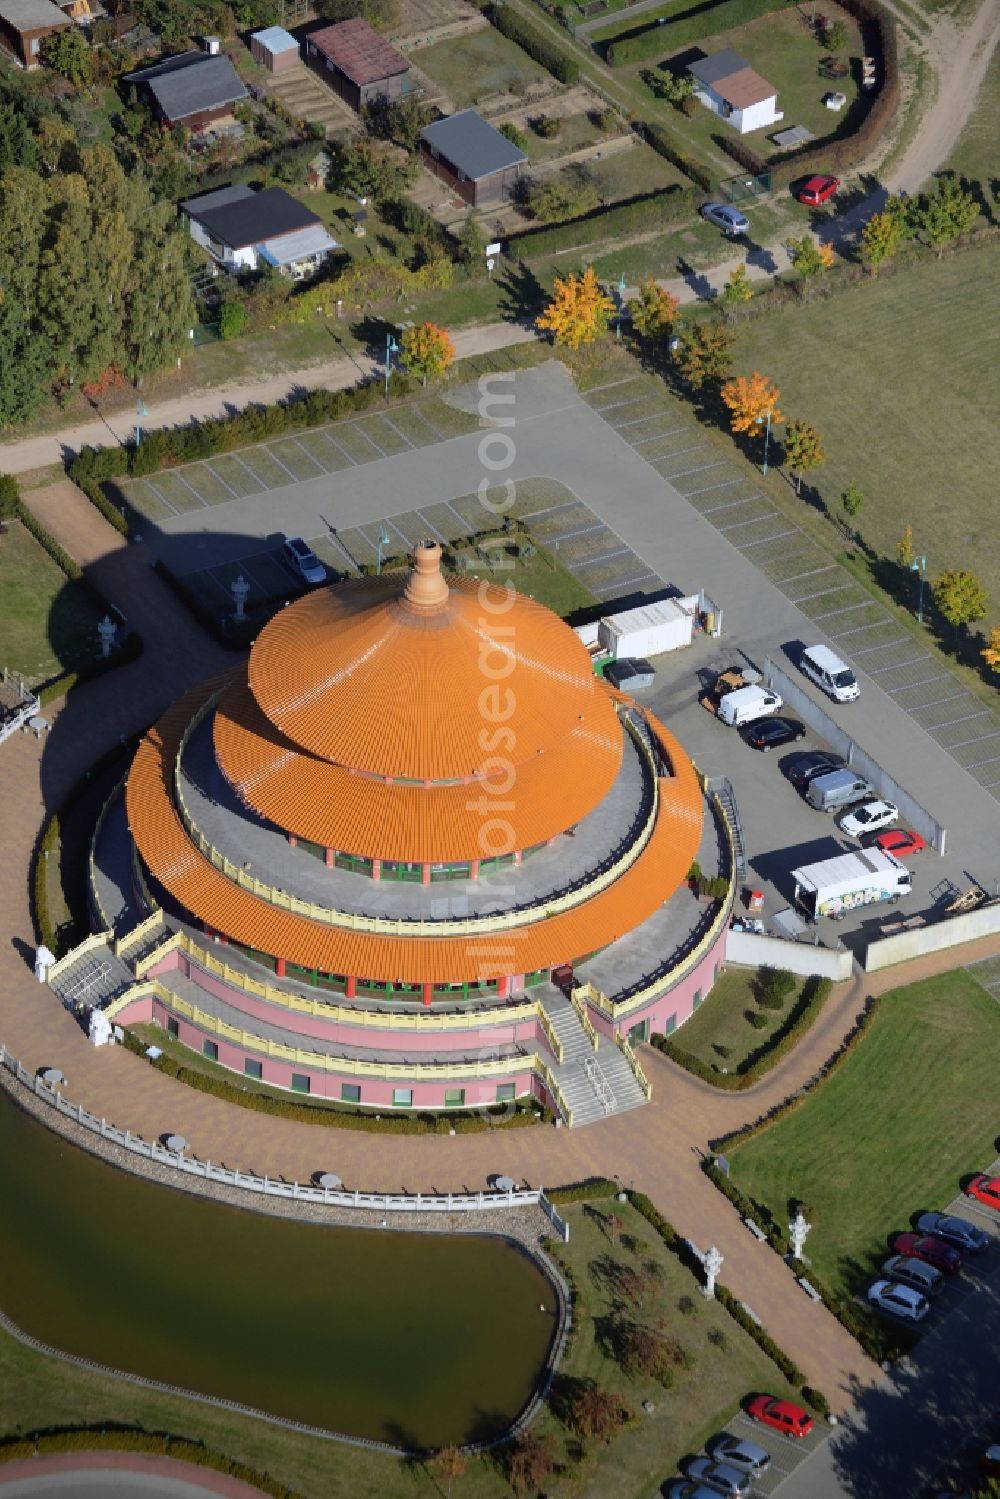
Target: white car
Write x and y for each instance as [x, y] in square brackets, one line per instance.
[728, 219]
[868, 818]
[899, 1301]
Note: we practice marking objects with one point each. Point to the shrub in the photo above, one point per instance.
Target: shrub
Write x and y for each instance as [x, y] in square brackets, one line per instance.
[10, 496]
[569, 195]
[516, 136]
[547, 126]
[233, 320]
[664, 144]
[538, 46]
[593, 1188]
[688, 26]
[45, 926]
[621, 219]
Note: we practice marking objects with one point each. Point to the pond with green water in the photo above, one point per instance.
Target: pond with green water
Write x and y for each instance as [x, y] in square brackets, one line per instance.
[414, 1339]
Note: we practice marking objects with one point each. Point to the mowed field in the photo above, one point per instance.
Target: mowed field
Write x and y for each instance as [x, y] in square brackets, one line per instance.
[908, 1114]
[47, 623]
[899, 376]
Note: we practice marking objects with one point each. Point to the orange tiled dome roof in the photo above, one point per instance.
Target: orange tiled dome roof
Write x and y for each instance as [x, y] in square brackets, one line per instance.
[421, 679]
[360, 814]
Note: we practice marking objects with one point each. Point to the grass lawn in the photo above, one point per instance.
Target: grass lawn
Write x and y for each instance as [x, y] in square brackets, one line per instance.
[724, 1366]
[471, 67]
[721, 1022]
[897, 375]
[975, 155]
[627, 174]
[541, 576]
[47, 623]
[890, 1134]
[575, 133]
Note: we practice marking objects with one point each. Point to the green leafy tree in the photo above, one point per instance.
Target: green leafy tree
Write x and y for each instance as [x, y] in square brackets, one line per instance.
[881, 238]
[803, 450]
[471, 242]
[852, 500]
[515, 135]
[736, 291]
[17, 144]
[704, 357]
[567, 196]
[673, 87]
[398, 120]
[835, 36]
[960, 597]
[809, 258]
[55, 140]
[25, 362]
[233, 319]
[653, 311]
[369, 169]
[67, 53]
[946, 213]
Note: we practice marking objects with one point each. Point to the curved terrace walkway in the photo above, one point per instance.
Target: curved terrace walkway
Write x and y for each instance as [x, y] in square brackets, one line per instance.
[656, 1149]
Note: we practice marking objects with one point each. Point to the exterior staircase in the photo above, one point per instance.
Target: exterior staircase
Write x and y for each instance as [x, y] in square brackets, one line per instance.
[594, 1082]
[720, 787]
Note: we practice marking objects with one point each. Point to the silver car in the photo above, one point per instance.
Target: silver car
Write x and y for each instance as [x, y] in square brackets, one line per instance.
[957, 1231]
[923, 1278]
[726, 218]
[303, 560]
[683, 1488]
[737, 1452]
[898, 1301]
[720, 1477]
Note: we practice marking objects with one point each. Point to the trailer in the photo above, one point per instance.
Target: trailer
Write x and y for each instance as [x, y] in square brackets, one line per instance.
[833, 887]
[650, 629]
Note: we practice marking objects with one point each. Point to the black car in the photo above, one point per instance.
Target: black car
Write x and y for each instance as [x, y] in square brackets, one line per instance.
[806, 768]
[768, 732]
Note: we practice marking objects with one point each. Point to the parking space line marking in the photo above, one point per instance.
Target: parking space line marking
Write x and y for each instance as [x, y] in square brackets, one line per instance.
[821, 593]
[977, 764]
[245, 565]
[964, 718]
[752, 520]
[847, 609]
[533, 514]
[617, 405]
[679, 454]
[432, 527]
[250, 472]
[637, 442]
[876, 671]
[180, 475]
[702, 468]
[466, 525]
[402, 536]
[631, 582]
[935, 702]
[869, 650]
[573, 535]
[722, 484]
[856, 629]
[604, 557]
[764, 540]
[208, 573]
[370, 440]
[909, 688]
[633, 421]
[811, 573]
[162, 497]
[272, 454]
[727, 505]
[306, 453]
[351, 462]
[390, 423]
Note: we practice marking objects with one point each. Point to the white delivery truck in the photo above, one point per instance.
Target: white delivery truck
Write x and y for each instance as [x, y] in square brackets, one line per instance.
[827, 670]
[833, 887]
[746, 704]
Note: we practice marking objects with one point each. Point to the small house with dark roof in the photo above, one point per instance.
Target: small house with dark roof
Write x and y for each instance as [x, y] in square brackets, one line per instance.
[358, 64]
[728, 85]
[243, 229]
[193, 89]
[24, 25]
[473, 158]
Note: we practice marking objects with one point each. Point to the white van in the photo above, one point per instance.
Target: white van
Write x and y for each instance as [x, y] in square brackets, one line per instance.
[831, 674]
[746, 704]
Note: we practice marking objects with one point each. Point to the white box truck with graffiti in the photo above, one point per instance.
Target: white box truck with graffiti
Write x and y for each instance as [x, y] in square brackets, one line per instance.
[835, 887]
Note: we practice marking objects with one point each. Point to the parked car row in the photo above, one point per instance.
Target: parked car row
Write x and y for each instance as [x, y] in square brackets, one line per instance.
[923, 1257]
[730, 1465]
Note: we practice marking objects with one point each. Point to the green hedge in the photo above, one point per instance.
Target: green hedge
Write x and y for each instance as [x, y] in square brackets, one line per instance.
[636, 215]
[586, 1191]
[535, 43]
[134, 1439]
[688, 26]
[344, 1117]
[741, 153]
[682, 1249]
[800, 1018]
[664, 145]
[745, 1206]
[45, 926]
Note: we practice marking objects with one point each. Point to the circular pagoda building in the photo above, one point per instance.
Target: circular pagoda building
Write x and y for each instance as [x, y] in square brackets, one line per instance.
[414, 854]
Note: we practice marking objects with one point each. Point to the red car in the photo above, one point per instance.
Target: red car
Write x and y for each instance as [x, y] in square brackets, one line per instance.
[781, 1414]
[985, 1189]
[818, 190]
[932, 1251]
[900, 841]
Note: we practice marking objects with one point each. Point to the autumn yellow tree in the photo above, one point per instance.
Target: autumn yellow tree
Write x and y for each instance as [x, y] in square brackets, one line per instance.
[751, 401]
[427, 350]
[991, 652]
[578, 312]
[906, 552]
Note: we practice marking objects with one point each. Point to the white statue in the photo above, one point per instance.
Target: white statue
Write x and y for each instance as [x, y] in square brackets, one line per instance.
[106, 631]
[240, 588]
[44, 960]
[799, 1231]
[712, 1261]
[100, 1028]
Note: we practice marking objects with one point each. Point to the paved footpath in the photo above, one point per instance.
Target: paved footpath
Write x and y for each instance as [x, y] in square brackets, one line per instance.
[656, 1149]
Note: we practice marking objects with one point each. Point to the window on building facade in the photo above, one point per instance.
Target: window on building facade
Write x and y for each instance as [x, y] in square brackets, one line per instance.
[300, 1082]
[402, 1098]
[210, 1049]
[252, 1068]
[350, 1093]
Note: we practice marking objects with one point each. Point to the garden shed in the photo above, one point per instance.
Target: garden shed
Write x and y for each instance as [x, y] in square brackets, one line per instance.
[357, 63]
[728, 85]
[472, 157]
[275, 49]
[24, 25]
